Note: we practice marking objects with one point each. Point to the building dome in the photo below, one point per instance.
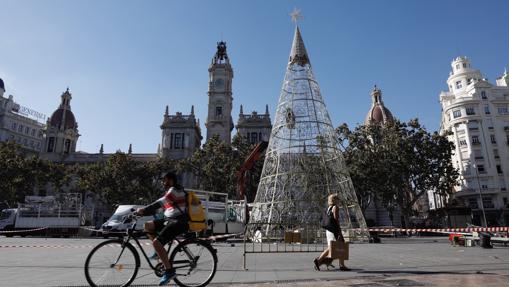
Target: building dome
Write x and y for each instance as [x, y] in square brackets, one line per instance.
[63, 118]
[57, 118]
[378, 112]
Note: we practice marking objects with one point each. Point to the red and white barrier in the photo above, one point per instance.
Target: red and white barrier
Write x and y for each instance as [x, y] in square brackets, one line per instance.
[437, 230]
[22, 231]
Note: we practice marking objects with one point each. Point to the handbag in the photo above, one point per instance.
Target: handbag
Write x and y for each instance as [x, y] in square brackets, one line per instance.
[339, 250]
[329, 222]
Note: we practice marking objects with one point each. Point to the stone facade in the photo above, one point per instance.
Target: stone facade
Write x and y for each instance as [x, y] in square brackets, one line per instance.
[181, 135]
[476, 112]
[219, 119]
[254, 127]
[61, 131]
[16, 126]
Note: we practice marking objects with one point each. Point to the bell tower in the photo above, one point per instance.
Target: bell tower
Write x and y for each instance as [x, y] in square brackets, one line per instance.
[219, 119]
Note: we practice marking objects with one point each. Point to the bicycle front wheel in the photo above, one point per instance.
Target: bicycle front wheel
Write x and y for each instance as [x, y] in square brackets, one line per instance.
[195, 263]
[112, 264]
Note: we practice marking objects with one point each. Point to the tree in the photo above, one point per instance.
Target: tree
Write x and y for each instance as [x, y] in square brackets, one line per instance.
[21, 173]
[217, 163]
[397, 162]
[123, 180]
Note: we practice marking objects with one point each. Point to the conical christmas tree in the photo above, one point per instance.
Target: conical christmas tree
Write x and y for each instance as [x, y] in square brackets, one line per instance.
[303, 163]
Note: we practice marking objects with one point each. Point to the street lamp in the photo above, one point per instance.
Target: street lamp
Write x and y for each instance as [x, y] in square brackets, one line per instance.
[480, 195]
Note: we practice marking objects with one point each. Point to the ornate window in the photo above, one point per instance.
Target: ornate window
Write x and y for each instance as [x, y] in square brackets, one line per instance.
[178, 141]
[483, 95]
[254, 138]
[51, 144]
[470, 111]
[487, 109]
[475, 140]
[219, 111]
[456, 114]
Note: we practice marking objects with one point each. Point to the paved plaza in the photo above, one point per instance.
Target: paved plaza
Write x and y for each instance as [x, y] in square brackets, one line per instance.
[395, 262]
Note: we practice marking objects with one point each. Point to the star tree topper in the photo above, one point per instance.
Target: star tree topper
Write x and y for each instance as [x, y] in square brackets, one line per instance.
[296, 15]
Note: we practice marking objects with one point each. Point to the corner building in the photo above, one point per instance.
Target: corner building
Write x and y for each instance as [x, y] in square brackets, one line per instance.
[17, 126]
[476, 112]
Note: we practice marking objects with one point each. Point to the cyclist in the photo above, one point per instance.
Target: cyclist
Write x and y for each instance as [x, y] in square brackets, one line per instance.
[173, 224]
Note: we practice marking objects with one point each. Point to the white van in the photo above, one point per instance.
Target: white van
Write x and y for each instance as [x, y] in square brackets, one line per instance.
[119, 223]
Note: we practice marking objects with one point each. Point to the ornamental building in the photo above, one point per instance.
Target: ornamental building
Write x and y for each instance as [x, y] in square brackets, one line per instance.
[20, 124]
[254, 127]
[180, 133]
[376, 214]
[476, 113]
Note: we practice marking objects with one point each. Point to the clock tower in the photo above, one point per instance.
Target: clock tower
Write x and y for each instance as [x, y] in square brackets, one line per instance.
[219, 119]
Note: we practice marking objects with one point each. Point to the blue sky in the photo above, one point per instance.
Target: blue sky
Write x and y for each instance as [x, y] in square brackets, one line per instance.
[124, 61]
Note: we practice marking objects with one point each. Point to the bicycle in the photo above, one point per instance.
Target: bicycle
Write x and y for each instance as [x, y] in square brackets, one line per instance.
[116, 262]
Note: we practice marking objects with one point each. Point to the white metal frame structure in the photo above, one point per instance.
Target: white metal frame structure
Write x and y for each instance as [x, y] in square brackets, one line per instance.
[303, 163]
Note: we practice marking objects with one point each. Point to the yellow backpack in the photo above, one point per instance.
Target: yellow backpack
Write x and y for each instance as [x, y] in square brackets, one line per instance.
[195, 212]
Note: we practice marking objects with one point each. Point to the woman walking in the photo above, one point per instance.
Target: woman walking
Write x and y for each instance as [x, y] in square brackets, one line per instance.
[333, 233]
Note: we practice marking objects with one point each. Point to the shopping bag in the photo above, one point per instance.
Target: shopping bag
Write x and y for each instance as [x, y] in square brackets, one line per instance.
[338, 250]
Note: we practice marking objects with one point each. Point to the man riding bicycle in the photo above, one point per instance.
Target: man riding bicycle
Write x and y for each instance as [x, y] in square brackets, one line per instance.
[173, 224]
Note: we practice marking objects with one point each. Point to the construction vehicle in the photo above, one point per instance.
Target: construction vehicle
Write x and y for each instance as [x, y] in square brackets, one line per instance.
[59, 215]
[248, 164]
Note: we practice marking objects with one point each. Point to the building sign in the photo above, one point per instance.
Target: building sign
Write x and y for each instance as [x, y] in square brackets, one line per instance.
[22, 110]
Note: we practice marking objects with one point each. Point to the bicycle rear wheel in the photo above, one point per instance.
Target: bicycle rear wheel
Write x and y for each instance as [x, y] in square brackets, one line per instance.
[109, 264]
[195, 263]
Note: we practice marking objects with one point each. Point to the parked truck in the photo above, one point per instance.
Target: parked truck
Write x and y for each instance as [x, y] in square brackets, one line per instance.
[44, 215]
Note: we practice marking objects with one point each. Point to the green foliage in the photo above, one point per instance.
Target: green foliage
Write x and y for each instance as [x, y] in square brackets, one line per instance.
[217, 163]
[120, 179]
[398, 163]
[20, 173]
[123, 180]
